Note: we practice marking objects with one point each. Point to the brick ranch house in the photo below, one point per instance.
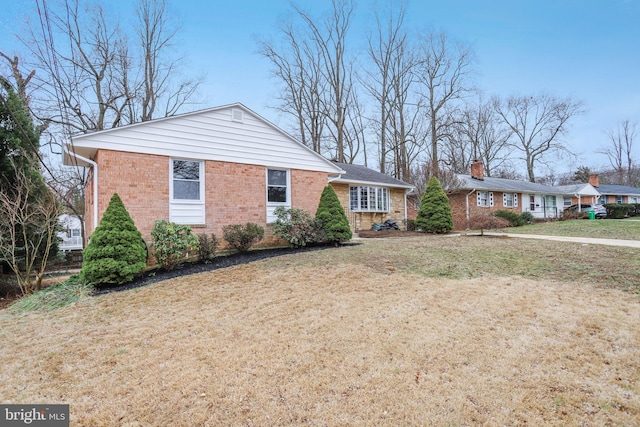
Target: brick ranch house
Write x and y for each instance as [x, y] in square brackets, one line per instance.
[210, 168]
[476, 194]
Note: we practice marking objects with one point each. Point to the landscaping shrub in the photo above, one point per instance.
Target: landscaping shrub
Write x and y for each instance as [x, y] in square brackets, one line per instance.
[297, 227]
[334, 221]
[207, 247]
[487, 222]
[116, 252]
[435, 212]
[514, 219]
[527, 217]
[411, 225]
[172, 243]
[618, 210]
[242, 237]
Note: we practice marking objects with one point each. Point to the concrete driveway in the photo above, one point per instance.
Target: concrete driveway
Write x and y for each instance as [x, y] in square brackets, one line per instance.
[583, 240]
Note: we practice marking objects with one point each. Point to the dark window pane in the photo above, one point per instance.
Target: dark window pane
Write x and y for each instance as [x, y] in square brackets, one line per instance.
[277, 194]
[183, 169]
[186, 190]
[277, 177]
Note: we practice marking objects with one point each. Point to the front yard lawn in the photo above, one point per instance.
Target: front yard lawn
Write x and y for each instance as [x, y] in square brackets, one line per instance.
[627, 229]
[427, 330]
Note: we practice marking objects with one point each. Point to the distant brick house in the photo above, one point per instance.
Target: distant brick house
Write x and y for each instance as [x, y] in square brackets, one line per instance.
[209, 168]
[476, 194]
[614, 194]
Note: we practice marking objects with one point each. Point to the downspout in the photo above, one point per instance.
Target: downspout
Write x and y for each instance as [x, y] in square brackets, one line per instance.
[95, 183]
[467, 197]
[406, 217]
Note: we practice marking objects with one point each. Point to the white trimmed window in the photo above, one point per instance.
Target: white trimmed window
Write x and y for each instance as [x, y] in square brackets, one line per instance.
[619, 200]
[186, 191]
[567, 201]
[185, 180]
[484, 198]
[510, 200]
[368, 199]
[278, 191]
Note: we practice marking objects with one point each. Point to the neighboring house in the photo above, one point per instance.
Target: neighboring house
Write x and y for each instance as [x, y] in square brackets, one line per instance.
[369, 196]
[618, 194]
[207, 169]
[476, 194]
[71, 234]
[578, 194]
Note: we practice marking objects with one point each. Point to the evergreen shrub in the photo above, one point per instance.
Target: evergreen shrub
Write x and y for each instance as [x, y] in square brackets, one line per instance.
[435, 214]
[514, 219]
[116, 252]
[331, 213]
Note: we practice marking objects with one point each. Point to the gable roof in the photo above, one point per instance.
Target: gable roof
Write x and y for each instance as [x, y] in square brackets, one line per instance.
[228, 133]
[583, 189]
[618, 190]
[466, 182]
[357, 174]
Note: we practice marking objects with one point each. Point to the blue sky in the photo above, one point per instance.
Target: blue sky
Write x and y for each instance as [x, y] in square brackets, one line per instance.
[586, 49]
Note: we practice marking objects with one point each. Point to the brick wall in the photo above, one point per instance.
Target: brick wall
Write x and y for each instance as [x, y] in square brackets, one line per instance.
[459, 207]
[234, 193]
[364, 220]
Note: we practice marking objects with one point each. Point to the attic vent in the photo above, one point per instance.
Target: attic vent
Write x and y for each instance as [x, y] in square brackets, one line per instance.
[237, 115]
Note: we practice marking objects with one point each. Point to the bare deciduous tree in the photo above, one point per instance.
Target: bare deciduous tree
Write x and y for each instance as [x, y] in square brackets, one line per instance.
[479, 135]
[444, 68]
[155, 35]
[620, 152]
[330, 41]
[28, 219]
[536, 125]
[389, 84]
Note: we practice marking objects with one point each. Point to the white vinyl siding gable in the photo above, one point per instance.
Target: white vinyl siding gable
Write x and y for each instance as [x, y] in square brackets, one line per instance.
[484, 198]
[186, 191]
[227, 134]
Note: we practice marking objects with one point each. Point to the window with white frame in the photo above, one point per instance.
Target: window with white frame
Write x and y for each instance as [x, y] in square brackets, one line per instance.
[368, 199]
[568, 201]
[277, 186]
[186, 191]
[619, 200]
[186, 180]
[510, 200]
[484, 198]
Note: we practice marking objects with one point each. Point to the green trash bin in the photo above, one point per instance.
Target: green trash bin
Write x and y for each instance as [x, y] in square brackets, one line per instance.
[591, 213]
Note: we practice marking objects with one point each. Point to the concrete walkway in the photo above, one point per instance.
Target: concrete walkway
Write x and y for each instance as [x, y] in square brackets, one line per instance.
[583, 240]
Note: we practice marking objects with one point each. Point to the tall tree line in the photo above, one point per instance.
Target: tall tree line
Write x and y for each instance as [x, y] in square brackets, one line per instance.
[408, 98]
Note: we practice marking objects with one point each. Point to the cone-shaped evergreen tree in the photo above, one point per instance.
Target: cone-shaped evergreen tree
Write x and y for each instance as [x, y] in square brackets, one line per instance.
[334, 220]
[116, 252]
[435, 212]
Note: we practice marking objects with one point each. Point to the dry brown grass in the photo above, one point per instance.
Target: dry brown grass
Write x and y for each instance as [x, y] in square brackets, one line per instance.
[329, 338]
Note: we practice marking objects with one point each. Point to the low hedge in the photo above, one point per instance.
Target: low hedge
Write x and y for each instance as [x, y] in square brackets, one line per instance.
[621, 210]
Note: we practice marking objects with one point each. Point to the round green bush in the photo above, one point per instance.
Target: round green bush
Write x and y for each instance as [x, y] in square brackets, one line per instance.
[116, 252]
[435, 214]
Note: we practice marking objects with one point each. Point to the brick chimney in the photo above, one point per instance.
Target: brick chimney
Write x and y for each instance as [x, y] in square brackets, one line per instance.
[594, 180]
[477, 170]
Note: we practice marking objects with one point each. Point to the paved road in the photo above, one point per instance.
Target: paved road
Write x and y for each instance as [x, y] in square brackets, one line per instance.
[583, 240]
